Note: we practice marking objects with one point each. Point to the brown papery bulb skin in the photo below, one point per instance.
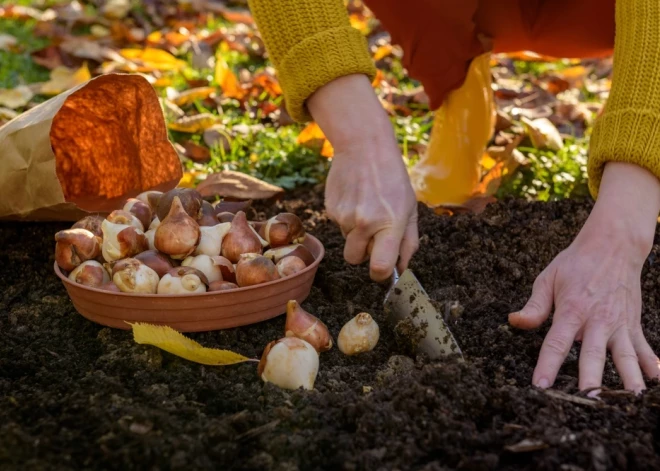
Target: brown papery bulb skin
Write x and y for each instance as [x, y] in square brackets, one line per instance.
[255, 269]
[91, 223]
[240, 239]
[121, 241]
[294, 250]
[132, 276]
[283, 229]
[222, 285]
[178, 234]
[226, 268]
[150, 198]
[207, 215]
[158, 262]
[290, 266]
[303, 325]
[90, 273]
[231, 207]
[140, 210]
[120, 216]
[225, 217]
[75, 246]
[191, 202]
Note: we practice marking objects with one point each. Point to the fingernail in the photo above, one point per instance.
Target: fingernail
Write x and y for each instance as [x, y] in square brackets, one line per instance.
[543, 383]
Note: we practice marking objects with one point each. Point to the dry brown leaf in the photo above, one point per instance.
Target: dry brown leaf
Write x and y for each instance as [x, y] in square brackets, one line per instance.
[49, 57]
[6, 113]
[7, 41]
[116, 9]
[268, 83]
[62, 78]
[217, 136]
[193, 124]
[196, 153]
[188, 97]
[527, 445]
[16, 97]
[543, 133]
[230, 184]
[86, 49]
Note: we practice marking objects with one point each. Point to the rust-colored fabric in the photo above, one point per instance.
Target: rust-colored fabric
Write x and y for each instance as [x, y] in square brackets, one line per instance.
[441, 37]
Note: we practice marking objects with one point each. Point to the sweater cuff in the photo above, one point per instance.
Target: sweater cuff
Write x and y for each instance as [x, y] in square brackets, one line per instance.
[325, 56]
[631, 136]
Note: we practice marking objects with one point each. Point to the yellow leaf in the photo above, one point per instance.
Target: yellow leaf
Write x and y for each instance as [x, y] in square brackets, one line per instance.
[168, 339]
[188, 180]
[487, 162]
[359, 22]
[382, 52]
[153, 59]
[15, 98]
[193, 124]
[190, 96]
[63, 78]
[327, 150]
[227, 80]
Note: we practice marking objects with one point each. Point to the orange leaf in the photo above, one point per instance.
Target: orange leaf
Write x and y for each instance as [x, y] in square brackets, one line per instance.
[382, 52]
[378, 78]
[190, 96]
[491, 181]
[226, 79]
[269, 84]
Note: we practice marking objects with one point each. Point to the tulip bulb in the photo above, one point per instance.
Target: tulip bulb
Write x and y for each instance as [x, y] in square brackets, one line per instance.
[178, 234]
[191, 202]
[294, 250]
[205, 264]
[109, 286]
[132, 276]
[155, 222]
[225, 217]
[283, 229]
[302, 324]
[289, 363]
[158, 262]
[121, 241]
[226, 268]
[210, 241]
[150, 198]
[289, 266]
[119, 216]
[183, 280]
[240, 239]
[207, 215]
[140, 210]
[91, 223]
[151, 238]
[222, 285]
[90, 273]
[254, 269]
[358, 335]
[231, 207]
[75, 246]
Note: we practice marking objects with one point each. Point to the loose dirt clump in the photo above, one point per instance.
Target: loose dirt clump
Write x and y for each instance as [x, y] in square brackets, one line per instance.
[77, 395]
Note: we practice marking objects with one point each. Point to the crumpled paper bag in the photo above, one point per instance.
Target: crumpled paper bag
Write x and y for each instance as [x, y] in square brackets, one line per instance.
[86, 150]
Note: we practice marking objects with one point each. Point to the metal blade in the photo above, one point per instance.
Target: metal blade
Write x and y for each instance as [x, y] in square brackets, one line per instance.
[408, 299]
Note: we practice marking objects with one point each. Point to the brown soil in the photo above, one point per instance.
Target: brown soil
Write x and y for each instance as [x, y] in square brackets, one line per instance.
[75, 395]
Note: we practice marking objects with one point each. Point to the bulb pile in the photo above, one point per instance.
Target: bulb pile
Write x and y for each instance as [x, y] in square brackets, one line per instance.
[177, 243]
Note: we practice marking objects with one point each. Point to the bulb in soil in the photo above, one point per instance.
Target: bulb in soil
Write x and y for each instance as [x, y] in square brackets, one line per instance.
[75, 246]
[303, 325]
[240, 239]
[91, 223]
[358, 335]
[140, 210]
[90, 273]
[183, 280]
[121, 241]
[205, 264]
[191, 202]
[283, 229]
[222, 285]
[294, 250]
[290, 266]
[132, 276]
[289, 363]
[178, 234]
[255, 269]
[119, 216]
[158, 262]
[210, 241]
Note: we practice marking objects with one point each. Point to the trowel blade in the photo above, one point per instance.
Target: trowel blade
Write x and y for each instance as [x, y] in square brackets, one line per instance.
[408, 299]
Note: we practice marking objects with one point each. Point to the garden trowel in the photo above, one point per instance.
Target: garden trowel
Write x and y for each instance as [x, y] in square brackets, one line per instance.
[407, 299]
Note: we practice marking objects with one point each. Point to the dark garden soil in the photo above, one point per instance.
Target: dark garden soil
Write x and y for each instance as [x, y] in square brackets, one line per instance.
[75, 395]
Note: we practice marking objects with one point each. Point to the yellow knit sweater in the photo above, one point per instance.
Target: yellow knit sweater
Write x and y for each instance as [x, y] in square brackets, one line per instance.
[311, 43]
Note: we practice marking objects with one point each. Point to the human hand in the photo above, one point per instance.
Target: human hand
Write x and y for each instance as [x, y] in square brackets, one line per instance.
[595, 286]
[368, 191]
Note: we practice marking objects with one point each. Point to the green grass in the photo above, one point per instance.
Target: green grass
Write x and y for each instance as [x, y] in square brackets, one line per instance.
[19, 68]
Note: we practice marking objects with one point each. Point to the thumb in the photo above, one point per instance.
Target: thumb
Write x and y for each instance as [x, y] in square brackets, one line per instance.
[538, 307]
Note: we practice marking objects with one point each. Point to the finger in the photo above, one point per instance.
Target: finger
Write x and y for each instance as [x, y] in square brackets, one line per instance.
[355, 250]
[626, 361]
[593, 354]
[539, 305]
[557, 344]
[385, 253]
[647, 358]
[409, 245]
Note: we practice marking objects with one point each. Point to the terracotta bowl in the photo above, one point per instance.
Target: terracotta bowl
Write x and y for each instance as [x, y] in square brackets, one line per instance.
[198, 312]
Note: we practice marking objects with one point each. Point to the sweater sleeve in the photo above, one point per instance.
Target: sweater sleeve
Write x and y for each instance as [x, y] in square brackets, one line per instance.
[629, 129]
[310, 43]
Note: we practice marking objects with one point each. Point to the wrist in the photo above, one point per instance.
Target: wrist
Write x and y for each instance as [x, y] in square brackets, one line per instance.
[350, 114]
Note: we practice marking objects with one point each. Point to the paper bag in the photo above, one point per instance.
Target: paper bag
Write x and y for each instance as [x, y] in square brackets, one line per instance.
[86, 150]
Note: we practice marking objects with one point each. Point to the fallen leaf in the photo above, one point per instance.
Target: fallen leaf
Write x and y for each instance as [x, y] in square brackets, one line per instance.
[49, 57]
[217, 136]
[86, 49]
[197, 153]
[7, 41]
[383, 51]
[168, 339]
[226, 79]
[190, 96]
[230, 184]
[527, 445]
[543, 133]
[268, 83]
[193, 124]
[116, 9]
[153, 59]
[327, 150]
[311, 134]
[491, 181]
[62, 78]
[16, 97]
[188, 180]
[6, 113]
